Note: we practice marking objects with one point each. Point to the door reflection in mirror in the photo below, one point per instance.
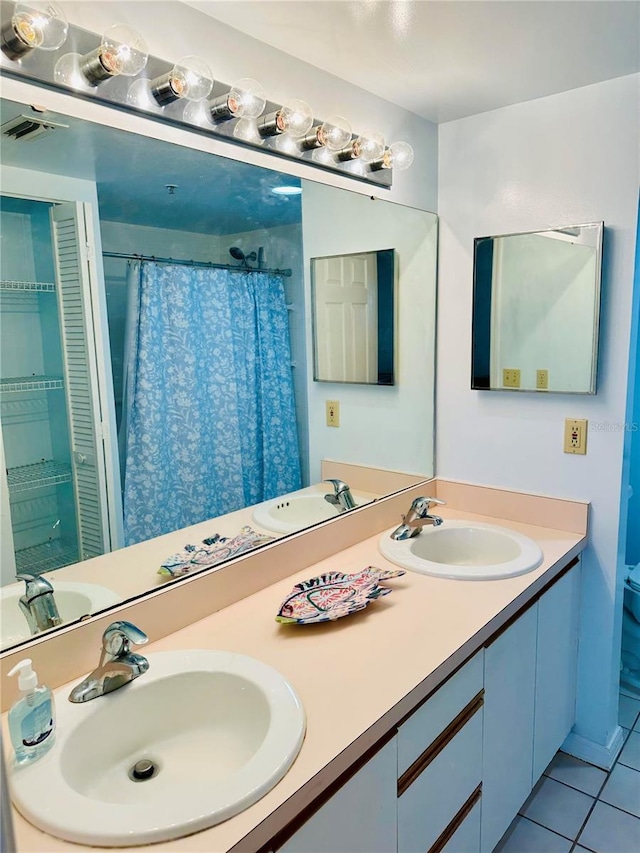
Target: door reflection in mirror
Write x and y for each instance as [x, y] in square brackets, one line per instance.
[353, 299]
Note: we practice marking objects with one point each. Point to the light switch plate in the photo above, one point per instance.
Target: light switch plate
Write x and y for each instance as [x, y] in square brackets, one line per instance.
[333, 413]
[575, 436]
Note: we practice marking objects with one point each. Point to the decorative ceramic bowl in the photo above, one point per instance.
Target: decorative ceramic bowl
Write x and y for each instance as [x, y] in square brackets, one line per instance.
[333, 595]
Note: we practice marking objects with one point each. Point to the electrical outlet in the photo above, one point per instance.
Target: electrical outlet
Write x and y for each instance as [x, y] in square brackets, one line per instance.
[542, 380]
[575, 436]
[511, 377]
[333, 413]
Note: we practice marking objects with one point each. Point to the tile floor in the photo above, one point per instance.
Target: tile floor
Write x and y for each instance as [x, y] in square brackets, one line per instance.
[578, 807]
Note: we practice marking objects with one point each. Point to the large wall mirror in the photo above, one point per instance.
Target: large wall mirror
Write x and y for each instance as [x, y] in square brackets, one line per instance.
[536, 310]
[156, 358]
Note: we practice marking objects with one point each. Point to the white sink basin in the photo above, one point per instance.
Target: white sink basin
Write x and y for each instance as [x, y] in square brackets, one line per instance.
[222, 729]
[288, 514]
[465, 550]
[73, 600]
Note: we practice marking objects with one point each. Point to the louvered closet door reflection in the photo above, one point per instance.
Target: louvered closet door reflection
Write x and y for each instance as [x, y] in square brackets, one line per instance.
[71, 241]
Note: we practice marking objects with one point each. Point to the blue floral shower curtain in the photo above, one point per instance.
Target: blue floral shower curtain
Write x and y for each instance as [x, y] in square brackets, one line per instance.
[211, 414]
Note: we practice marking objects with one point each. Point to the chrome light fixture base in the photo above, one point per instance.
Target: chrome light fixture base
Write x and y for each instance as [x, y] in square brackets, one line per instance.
[263, 133]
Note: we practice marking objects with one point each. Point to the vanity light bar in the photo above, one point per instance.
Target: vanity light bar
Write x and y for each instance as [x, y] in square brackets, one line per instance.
[239, 113]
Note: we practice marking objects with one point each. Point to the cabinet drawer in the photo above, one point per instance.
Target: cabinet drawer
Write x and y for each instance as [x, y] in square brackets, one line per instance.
[429, 721]
[359, 818]
[466, 836]
[433, 799]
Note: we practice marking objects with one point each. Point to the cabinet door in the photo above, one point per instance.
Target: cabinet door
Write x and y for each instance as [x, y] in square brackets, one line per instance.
[507, 761]
[360, 817]
[558, 615]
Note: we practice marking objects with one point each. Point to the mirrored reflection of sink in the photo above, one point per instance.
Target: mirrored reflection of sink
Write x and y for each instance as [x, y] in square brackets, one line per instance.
[465, 550]
[74, 600]
[221, 730]
[288, 514]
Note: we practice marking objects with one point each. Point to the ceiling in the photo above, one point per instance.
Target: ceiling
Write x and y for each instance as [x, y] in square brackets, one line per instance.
[446, 59]
[213, 195]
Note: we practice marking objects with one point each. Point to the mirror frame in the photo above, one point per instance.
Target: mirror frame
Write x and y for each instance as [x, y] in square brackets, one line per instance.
[482, 293]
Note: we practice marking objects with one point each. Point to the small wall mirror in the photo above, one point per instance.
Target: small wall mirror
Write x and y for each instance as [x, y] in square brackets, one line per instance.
[353, 300]
[536, 306]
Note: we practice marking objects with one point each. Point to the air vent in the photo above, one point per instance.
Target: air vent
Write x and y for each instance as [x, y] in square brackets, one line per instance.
[28, 128]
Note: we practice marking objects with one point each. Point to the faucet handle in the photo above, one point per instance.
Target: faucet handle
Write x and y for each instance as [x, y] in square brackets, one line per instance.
[422, 505]
[116, 638]
[36, 584]
[338, 485]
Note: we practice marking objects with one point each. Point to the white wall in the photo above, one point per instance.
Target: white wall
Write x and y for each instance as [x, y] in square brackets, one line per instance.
[173, 30]
[384, 426]
[566, 159]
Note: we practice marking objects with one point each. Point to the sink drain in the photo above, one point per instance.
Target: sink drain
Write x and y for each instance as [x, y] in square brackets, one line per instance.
[143, 770]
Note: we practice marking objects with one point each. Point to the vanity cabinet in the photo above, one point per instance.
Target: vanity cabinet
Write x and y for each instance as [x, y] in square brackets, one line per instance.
[462, 764]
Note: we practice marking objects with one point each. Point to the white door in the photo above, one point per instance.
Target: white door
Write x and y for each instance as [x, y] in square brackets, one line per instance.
[346, 312]
[72, 242]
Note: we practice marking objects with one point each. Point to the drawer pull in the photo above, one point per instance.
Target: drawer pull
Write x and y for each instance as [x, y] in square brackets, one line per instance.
[447, 834]
[423, 761]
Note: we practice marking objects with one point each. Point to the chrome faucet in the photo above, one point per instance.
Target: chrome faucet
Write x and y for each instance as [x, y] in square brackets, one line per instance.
[37, 603]
[417, 517]
[118, 664]
[341, 499]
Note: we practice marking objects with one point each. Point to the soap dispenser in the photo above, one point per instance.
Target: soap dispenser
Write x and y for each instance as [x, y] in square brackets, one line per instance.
[32, 718]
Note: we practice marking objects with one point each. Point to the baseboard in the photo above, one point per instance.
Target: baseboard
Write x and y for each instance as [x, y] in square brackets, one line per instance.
[602, 755]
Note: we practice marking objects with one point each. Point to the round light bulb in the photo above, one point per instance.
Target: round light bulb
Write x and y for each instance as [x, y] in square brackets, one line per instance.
[399, 156]
[67, 71]
[334, 133]
[40, 25]
[191, 78]
[295, 118]
[196, 112]
[369, 146]
[246, 130]
[123, 51]
[246, 99]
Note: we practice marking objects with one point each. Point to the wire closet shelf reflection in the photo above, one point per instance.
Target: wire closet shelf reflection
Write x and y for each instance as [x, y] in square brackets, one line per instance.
[206, 264]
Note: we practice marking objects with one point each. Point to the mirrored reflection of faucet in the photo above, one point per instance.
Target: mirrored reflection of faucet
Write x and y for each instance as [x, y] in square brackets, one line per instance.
[417, 517]
[341, 499]
[37, 603]
[118, 665]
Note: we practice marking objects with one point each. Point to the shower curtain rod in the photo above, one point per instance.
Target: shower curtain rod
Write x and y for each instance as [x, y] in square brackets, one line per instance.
[207, 264]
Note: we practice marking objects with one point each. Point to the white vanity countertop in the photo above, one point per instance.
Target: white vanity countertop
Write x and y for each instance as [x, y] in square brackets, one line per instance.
[357, 677]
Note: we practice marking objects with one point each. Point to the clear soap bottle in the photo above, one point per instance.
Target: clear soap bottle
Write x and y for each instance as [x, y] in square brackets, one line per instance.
[32, 721]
